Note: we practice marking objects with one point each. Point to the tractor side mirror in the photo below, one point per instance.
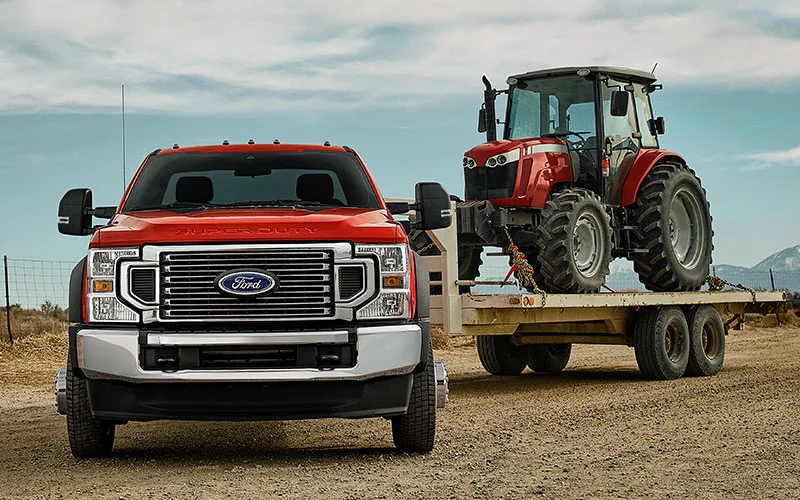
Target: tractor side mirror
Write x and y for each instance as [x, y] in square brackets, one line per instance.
[75, 212]
[619, 102]
[433, 206]
[482, 120]
[656, 126]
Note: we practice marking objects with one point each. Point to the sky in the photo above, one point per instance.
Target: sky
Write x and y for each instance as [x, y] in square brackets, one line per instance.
[397, 81]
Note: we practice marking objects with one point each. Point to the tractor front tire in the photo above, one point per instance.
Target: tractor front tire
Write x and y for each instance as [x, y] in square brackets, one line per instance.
[573, 242]
[549, 358]
[500, 357]
[88, 436]
[673, 224]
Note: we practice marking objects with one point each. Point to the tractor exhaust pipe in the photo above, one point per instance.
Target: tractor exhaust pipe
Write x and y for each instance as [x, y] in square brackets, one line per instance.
[487, 121]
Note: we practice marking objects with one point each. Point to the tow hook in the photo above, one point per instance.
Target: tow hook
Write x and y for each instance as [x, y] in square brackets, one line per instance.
[442, 384]
[61, 391]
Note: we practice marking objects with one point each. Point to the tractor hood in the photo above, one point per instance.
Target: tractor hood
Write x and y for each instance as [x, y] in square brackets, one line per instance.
[358, 225]
[483, 152]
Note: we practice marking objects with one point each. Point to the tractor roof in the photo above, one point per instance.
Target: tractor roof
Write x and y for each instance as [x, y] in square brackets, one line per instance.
[635, 74]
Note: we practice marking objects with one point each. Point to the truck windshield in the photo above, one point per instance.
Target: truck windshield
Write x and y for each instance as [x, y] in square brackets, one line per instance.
[560, 105]
[310, 179]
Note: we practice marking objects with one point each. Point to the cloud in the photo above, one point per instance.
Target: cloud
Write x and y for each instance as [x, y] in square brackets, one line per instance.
[784, 158]
[305, 55]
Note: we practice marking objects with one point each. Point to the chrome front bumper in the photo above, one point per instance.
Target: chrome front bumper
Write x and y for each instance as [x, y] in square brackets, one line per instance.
[113, 354]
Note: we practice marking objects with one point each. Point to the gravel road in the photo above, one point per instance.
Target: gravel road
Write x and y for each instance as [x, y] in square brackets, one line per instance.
[597, 430]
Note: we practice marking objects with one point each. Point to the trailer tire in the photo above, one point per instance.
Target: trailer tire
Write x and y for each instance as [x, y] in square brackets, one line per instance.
[415, 431]
[573, 239]
[549, 358]
[673, 224]
[88, 436]
[707, 341]
[499, 356]
[661, 342]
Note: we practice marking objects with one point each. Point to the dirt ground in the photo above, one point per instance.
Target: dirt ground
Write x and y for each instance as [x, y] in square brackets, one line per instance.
[598, 430]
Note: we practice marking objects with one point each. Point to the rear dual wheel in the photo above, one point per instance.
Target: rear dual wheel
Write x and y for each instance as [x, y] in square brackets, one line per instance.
[499, 356]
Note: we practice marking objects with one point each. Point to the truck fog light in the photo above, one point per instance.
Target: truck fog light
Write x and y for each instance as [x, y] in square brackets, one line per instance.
[388, 304]
[110, 309]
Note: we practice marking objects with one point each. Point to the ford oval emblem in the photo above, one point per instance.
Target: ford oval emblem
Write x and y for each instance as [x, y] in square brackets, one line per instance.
[246, 282]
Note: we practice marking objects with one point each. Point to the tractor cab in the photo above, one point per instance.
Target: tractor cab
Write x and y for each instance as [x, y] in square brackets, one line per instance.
[602, 115]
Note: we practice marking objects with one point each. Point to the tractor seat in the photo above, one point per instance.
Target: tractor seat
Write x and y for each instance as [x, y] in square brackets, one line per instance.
[316, 188]
[194, 189]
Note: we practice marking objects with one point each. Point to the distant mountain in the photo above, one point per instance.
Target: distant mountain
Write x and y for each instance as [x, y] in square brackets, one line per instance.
[787, 259]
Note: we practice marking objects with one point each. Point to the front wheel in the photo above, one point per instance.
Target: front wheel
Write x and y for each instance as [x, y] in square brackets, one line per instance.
[88, 436]
[573, 243]
[673, 225]
[415, 431]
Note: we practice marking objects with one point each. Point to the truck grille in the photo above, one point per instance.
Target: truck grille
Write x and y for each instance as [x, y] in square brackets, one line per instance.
[306, 285]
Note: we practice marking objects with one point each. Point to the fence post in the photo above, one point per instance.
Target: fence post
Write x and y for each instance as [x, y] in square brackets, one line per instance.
[8, 300]
[772, 279]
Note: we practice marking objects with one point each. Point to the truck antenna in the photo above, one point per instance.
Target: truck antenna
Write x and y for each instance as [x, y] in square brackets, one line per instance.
[124, 176]
[654, 68]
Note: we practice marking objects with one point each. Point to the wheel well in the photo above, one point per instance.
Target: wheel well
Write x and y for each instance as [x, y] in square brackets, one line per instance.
[630, 177]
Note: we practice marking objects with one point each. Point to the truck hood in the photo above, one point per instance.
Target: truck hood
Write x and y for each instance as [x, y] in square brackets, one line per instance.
[357, 225]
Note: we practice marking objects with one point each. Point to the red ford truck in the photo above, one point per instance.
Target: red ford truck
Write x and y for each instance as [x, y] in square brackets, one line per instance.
[250, 282]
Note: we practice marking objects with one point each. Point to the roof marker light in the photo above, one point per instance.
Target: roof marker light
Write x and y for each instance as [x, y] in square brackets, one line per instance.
[225, 142]
[276, 141]
[326, 143]
[175, 146]
[251, 141]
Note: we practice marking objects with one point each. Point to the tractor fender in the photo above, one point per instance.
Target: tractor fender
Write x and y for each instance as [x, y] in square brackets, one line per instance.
[632, 173]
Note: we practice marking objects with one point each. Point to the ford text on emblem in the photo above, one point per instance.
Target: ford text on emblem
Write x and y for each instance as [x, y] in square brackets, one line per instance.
[246, 282]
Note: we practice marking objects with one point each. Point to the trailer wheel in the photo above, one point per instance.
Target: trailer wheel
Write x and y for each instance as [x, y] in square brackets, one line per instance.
[500, 357]
[415, 431]
[673, 221]
[574, 243]
[707, 341]
[661, 342]
[549, 358]
[88, 436]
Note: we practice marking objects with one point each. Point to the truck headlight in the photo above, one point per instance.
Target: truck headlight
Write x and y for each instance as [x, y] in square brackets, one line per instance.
[394, 297]
[101, 298]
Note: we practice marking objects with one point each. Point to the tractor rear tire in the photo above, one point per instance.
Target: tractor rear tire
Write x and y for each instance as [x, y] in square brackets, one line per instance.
[499, 356]
[88, 437]
[549, 358]
[661, 342]
[573, 242]
[673, 220]
[707, 339]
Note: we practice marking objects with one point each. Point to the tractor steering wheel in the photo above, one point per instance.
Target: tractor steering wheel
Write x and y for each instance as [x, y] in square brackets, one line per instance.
[578, 144]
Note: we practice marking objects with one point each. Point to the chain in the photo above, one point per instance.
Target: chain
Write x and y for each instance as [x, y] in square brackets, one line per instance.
[426, 248]
[716, 284]
[524, 271]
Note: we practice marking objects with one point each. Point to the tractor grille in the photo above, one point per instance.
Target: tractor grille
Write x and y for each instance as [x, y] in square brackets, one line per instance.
[306, 287]
[484, 183]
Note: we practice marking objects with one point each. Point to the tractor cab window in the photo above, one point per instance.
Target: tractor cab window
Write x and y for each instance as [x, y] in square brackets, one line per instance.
[644, 114]
[562, 107]
[621, 134]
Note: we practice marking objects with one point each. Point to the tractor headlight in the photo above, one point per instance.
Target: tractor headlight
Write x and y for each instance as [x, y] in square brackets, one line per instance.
[469, 162]
[503, 158]
[101, 298]
[394, 297]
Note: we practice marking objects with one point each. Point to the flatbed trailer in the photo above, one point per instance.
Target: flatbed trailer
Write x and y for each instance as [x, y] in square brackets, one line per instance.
[672, 333]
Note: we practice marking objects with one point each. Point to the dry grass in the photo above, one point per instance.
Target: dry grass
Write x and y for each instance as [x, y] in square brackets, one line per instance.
[772, 320]
[39, 349]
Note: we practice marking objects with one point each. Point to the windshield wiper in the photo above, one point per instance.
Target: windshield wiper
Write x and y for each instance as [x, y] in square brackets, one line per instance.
[277, 203]
[180, 207]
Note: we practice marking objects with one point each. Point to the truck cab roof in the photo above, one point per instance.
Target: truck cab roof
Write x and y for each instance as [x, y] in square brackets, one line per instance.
[256, 148]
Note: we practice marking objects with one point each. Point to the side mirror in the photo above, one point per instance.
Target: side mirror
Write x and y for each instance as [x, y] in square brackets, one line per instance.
[398, 207]
[619, 102]
[482, 120]
[656, 126]
[75, 212]
[433, 206]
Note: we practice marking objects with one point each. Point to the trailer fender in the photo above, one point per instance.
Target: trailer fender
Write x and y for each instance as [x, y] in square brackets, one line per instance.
[632, 173]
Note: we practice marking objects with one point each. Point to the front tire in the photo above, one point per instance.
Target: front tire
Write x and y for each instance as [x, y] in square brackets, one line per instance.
[88, 436]
[415, 431]
[673, 220]
[573, 242]
[549, 358]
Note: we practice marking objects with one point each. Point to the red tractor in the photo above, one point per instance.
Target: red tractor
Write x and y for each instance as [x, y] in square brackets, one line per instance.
[579, 179]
